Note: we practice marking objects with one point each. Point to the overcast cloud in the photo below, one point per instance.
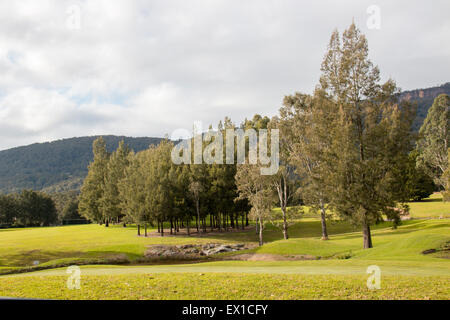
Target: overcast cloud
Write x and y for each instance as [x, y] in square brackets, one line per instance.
[146, 68]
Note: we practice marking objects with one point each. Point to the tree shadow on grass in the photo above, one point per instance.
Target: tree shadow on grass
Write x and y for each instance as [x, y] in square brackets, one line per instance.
[429, 200]
[400, 231]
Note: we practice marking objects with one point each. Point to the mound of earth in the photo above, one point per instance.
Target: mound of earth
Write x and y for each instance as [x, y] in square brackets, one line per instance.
[192, 251]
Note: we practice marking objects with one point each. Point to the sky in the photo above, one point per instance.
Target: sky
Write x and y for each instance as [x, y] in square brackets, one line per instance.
[149, 68]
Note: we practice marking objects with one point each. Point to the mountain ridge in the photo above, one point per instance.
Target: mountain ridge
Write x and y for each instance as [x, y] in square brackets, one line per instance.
[424, 98]
[58, 165]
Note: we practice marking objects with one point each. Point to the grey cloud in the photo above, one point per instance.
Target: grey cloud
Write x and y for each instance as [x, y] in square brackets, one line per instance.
[175, 62]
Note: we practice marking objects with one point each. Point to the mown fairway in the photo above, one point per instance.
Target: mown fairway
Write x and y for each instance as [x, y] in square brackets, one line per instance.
[339, 274]
[227, 286]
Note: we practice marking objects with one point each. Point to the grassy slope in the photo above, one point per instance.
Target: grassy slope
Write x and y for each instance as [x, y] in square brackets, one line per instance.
[406, 273]
[405, 243]
[23, 246]
[432, 207]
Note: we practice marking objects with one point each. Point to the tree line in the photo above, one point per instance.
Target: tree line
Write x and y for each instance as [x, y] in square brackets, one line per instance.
[27, 209]
[348, 148]
[30, 208]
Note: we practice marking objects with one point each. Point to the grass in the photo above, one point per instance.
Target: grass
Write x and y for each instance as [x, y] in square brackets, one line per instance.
[227, 286]
[340, 273]
[21, 247]
[432, 207]
[92, 243]
[405, 243]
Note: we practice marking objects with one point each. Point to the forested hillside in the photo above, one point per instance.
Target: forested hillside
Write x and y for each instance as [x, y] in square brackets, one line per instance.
[424, 99]
[55, 166]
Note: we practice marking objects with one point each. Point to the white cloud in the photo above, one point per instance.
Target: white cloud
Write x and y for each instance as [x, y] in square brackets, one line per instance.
[146, 68]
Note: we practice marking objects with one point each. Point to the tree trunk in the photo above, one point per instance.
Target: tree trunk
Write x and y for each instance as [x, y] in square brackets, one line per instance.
[197, 219]
[283, 196]
[106, 223]
[260, 233]
[188, 227]
[285, 226]
[323, 221]
[145, 228]
[162, 228]
[198, 215]
[367, 236]
[246, 219]
[139, 230]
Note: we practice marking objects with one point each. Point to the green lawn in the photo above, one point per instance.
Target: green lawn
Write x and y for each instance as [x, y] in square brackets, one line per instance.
[433, 207]
[339, 272]
[21, 247]
[93, 243]
[405, 243]
[227, 286]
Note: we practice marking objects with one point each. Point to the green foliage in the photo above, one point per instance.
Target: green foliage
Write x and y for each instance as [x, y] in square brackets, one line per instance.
[434, 140]
[93, 186]
[70, 211]
[63, 200]
[9, 209]
[424, 99]
[305, 127]
[29, 208]
[446, 178]
[371, 135]
[419, 185]
[110, 202]
[132, 189]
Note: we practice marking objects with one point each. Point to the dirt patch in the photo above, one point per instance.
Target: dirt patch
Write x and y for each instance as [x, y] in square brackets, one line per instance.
[192, 251]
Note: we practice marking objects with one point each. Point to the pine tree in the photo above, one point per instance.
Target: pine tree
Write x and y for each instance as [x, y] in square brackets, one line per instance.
[132, 190]
[371, 135]
[418, 183]
[446, 177]
[115, 171]
[93, 185]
